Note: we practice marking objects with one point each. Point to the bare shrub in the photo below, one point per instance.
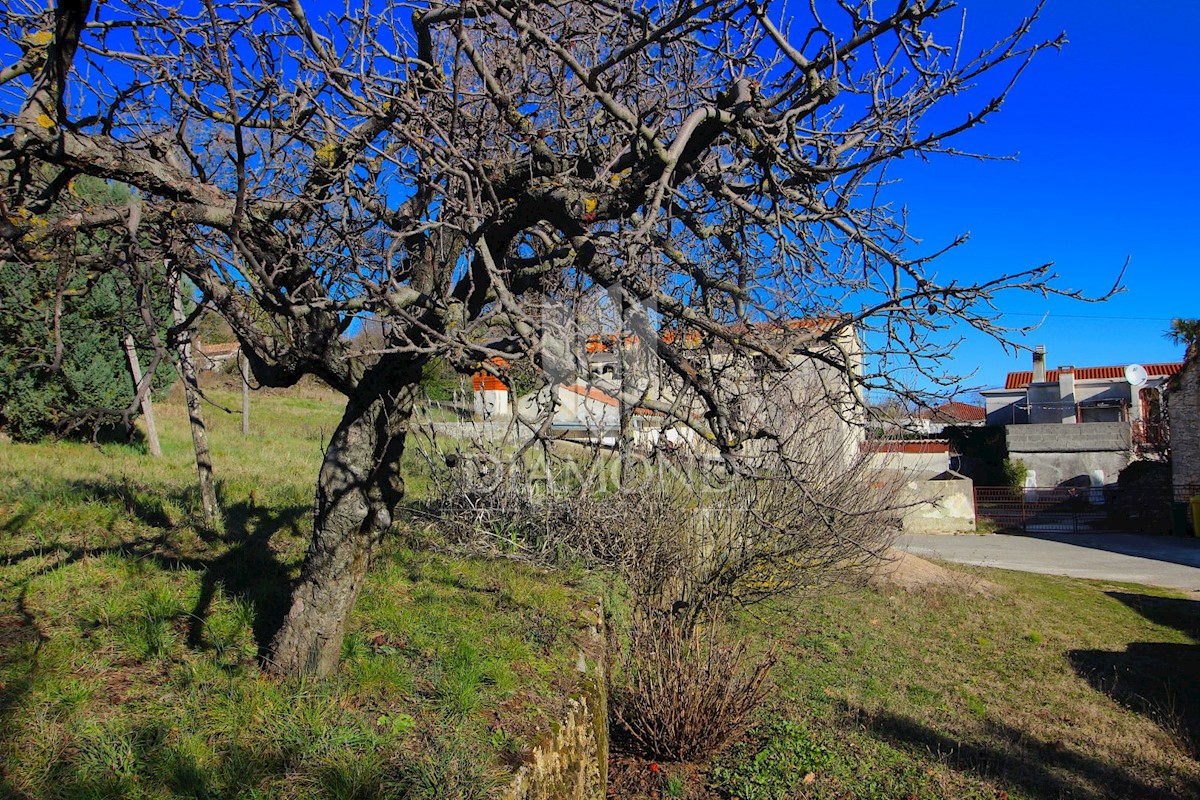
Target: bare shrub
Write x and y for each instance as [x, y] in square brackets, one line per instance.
[688, 536]
[683, 692]
[691, 536]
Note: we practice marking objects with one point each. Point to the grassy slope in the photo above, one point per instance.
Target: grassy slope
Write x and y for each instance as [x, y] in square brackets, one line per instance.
[128, 645]
[1054, 688]
[129, 641]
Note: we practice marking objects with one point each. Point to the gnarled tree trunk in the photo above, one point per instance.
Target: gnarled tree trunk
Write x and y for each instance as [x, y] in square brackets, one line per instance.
[357, 492]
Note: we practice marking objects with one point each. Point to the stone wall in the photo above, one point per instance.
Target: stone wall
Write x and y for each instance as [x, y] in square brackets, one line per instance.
[911, 464]
[945, 504]
[1183, 405]
[572, 762]
[1061, 453]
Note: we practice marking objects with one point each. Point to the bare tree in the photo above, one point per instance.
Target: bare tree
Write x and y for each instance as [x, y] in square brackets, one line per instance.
[456, 169]
[209, 507]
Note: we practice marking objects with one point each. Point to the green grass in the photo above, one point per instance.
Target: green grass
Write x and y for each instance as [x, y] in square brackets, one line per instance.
[1052, 688]
[130, 641]
[129, 647]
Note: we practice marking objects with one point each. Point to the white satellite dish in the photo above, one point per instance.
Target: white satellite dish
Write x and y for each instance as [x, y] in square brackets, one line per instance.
[1136, 374]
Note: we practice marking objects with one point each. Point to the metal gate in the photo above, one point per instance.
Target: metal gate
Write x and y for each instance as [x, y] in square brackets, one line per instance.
[1057, 509]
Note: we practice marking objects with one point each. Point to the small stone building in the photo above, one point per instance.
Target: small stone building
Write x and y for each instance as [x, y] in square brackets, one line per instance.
[214, 356]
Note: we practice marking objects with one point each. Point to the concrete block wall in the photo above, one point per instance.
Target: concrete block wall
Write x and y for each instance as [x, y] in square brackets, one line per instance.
[1183, 406]
[1060, 453]
[1082, 438]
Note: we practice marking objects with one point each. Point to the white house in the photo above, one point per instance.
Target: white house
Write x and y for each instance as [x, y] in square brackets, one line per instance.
[1069, 394]
[813, 397]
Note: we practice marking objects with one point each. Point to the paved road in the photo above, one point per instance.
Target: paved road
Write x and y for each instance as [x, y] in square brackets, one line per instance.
[1134, 558]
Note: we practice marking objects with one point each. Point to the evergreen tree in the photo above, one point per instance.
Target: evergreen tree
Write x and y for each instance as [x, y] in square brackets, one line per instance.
[77, 381]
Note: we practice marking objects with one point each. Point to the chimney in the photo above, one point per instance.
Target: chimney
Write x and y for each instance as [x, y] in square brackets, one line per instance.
[1039, 364]
[1066, 393]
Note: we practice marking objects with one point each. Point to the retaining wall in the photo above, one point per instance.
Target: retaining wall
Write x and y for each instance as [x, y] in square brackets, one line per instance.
[1061, 453]
[942, 505]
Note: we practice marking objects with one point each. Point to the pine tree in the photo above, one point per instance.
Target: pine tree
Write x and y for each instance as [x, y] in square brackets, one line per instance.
[77, 382]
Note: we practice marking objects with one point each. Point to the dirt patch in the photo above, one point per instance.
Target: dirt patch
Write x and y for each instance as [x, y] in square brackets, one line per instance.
[634, 778]
[911, 573]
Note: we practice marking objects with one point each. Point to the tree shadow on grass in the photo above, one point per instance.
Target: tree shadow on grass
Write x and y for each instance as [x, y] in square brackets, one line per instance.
[1040, 769]
[251, 570]
[243, 563]
[1157, 679]
[20, 640]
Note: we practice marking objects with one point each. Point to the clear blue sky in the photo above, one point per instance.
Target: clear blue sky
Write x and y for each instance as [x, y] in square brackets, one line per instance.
[1107, 138]
[1107, 134]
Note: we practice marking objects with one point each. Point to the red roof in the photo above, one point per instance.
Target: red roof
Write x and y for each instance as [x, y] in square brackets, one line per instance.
[1019, 380]
[484, 382]
[955, 411]
[592, 393]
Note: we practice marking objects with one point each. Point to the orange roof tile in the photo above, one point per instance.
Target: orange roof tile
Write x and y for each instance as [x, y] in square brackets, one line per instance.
[592, 393]
[1019, 380]
[956, 411]
[483, 382]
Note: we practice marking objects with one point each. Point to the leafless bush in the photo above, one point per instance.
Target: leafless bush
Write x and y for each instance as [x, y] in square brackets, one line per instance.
[683, 692]
[688, 536]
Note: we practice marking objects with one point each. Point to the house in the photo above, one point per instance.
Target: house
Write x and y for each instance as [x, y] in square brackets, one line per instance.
[582, 412]
[1081, 425]
[928, 422]
[811, 403]
[1068, 395]
[214, 356]
[954, 414]
[492, 395]
[807, 400]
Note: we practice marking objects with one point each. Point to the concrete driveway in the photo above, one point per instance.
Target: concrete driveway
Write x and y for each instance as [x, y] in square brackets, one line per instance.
[1134, 558]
